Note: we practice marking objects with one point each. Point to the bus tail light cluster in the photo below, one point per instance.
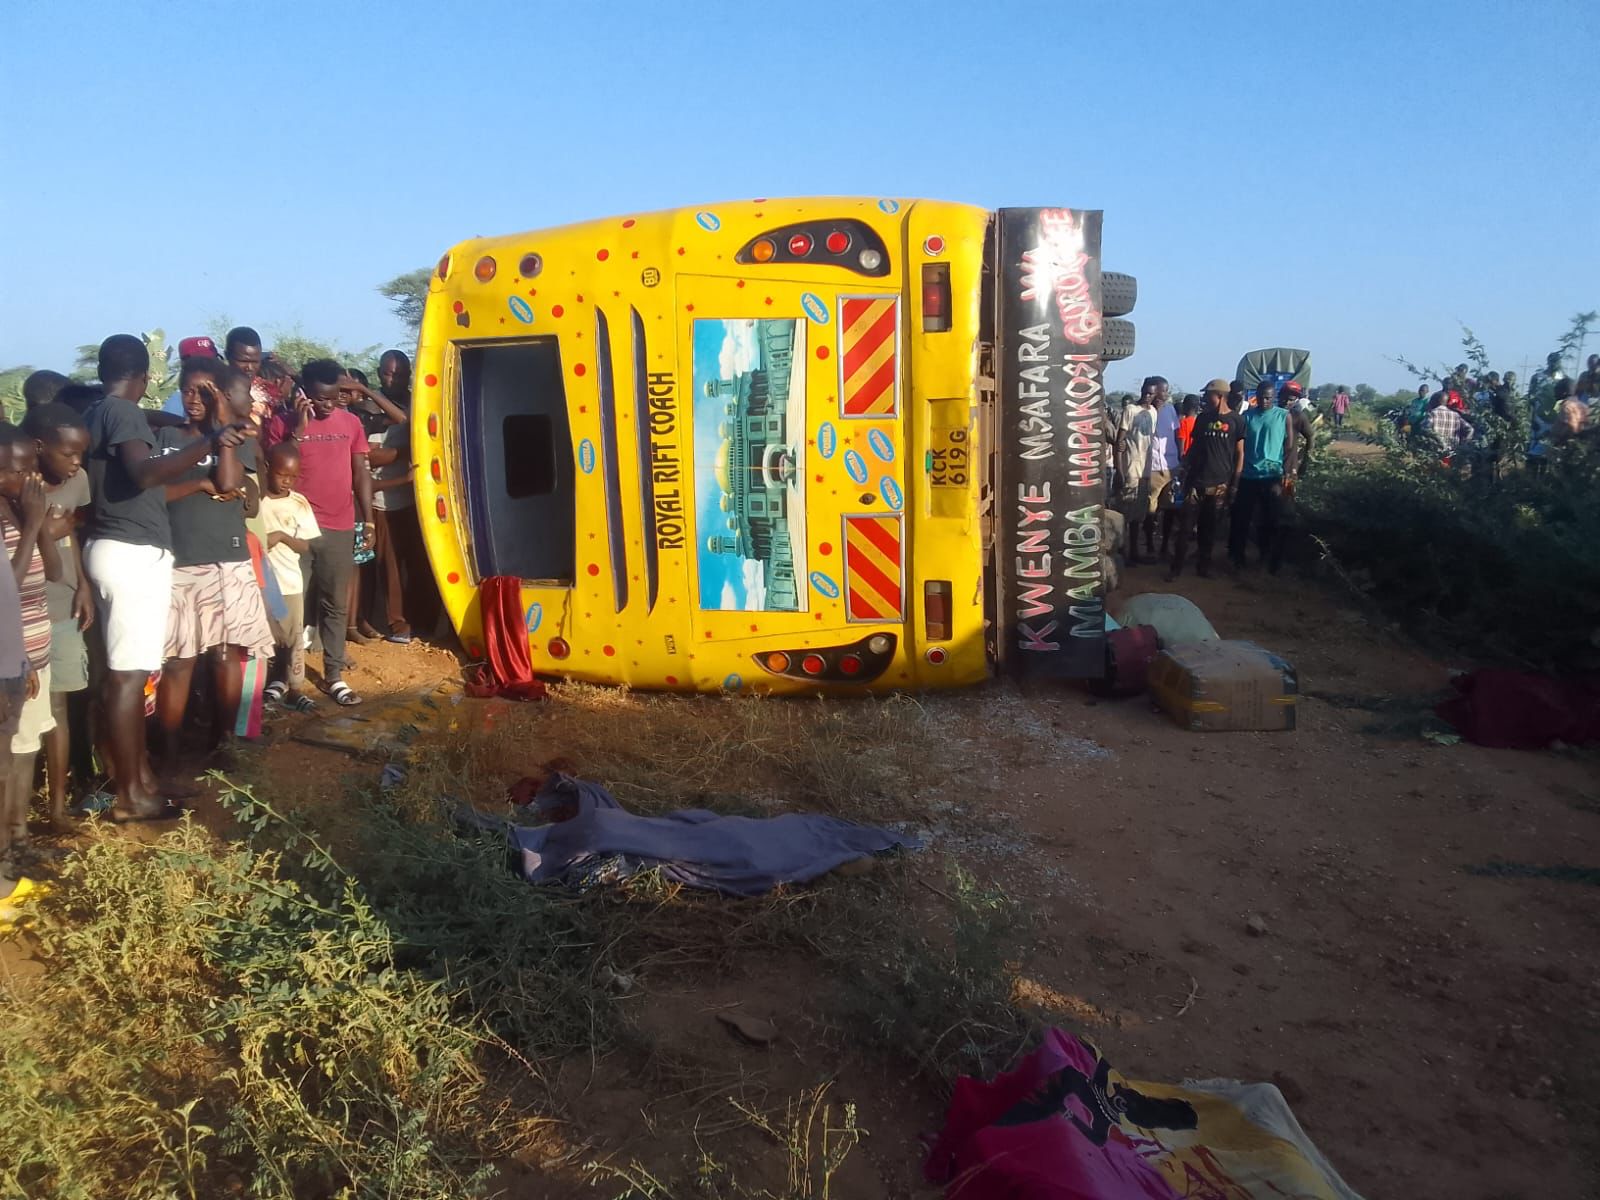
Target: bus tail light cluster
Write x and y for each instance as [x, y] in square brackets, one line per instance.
[936, 610]
[850, 244]
[856, 662]
[936, 297]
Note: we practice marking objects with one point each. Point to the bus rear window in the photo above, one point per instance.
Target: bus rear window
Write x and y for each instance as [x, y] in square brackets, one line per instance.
[517, 450]
[530, 452]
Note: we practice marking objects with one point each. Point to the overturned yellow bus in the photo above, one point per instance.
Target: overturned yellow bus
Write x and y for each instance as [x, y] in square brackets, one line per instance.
[777, 445]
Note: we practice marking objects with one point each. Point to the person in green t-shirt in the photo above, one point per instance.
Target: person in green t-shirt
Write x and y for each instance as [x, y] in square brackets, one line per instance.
[1267, 481]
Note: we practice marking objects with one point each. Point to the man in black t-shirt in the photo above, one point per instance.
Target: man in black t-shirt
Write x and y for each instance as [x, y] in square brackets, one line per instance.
[1210, 476]
[127, 554]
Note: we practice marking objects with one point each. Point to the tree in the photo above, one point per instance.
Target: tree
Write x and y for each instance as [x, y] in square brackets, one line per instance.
[1365, 393]
[407, 294]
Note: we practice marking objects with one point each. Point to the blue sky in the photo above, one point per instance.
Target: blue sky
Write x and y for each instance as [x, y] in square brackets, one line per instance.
[1355, 178]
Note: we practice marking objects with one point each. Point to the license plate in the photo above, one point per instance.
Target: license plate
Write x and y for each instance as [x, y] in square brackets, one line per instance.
[950, 458]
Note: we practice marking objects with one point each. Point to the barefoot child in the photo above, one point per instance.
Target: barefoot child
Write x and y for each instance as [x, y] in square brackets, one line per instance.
[61, 440]
[291, 526]
[33, 560]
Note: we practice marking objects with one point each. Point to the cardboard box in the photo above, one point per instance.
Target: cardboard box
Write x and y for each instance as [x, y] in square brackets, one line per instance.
[1225, 685]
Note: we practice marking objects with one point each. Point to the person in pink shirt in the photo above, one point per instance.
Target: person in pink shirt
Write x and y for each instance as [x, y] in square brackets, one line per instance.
[334, 477]
[1341, 405]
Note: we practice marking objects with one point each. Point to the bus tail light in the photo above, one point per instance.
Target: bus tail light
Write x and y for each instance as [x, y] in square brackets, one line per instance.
[439, 508]
[485, 269]
[936, 610]
[530, 266]
[559, 648]
[436, 471]
[850, 245]
[936, 655]
[444, 266]
[433, 425]
[857, 662]
[935, 297]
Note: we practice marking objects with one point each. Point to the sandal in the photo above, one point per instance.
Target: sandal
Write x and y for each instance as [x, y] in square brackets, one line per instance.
[275, 692]
[154, 810]
[343, 694]
[298, 702]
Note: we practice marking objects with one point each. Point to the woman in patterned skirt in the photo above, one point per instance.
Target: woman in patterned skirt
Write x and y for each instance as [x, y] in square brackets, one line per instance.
[217, 609]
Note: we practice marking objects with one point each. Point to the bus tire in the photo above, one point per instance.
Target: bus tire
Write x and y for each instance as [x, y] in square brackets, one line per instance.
[1118, 293]
[1117, 340]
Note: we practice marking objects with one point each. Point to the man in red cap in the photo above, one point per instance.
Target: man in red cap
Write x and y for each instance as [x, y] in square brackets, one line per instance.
[199, 346]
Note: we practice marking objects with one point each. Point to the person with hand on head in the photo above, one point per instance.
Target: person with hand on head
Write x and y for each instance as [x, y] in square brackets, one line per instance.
[335, 478]
[199, 346]
[217, 609]
[128, 555]
[34, 559]
[61, 439]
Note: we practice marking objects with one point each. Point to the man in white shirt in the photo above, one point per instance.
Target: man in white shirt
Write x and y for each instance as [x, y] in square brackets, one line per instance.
[1137, 450]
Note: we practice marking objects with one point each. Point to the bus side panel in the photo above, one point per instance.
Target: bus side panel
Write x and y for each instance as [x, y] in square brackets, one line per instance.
[1052, 405]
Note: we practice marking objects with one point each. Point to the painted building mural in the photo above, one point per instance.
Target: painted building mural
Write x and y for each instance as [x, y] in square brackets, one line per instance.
[749, 464]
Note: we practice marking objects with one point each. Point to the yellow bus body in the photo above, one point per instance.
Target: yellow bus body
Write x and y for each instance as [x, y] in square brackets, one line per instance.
[829, 400]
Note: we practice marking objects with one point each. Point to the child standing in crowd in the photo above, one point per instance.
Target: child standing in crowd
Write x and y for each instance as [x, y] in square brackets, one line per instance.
[33, 559]
[338, 483]
[128, 554]
[216, 606]
[61, 440]
[15, 676]
[291, 528]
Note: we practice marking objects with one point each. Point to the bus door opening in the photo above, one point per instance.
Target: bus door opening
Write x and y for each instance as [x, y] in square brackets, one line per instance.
[517, 455]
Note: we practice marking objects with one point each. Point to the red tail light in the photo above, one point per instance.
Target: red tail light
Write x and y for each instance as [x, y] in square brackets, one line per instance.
[559, 648]
[936, 610]
[812, 664]
[439, 508]
[436, 471]
[838, 242]
[800, 245]
[444, 266]
[433, 425]
[850, 665]
[935, 297]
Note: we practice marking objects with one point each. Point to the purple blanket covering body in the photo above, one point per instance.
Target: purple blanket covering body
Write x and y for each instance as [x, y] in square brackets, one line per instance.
[739, 856]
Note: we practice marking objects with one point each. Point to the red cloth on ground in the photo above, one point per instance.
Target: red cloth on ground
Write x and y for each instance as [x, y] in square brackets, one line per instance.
[508, 669]
[1518, 710]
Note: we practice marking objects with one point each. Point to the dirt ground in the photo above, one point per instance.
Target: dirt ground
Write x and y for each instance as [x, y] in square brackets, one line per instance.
[1435, 1031]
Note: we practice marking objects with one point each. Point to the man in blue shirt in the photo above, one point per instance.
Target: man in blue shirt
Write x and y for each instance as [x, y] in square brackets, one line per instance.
[1267, 481]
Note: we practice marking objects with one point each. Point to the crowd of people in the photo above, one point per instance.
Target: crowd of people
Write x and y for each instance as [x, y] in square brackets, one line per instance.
[1462, 412]
[258, 514]
[1215, 457]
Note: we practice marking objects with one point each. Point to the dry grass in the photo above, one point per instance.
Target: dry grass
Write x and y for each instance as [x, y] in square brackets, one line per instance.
[865, 759]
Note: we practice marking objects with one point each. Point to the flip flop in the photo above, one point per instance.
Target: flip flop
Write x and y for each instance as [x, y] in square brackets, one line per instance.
[343, 694]
[275, 692]
[299, 702]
